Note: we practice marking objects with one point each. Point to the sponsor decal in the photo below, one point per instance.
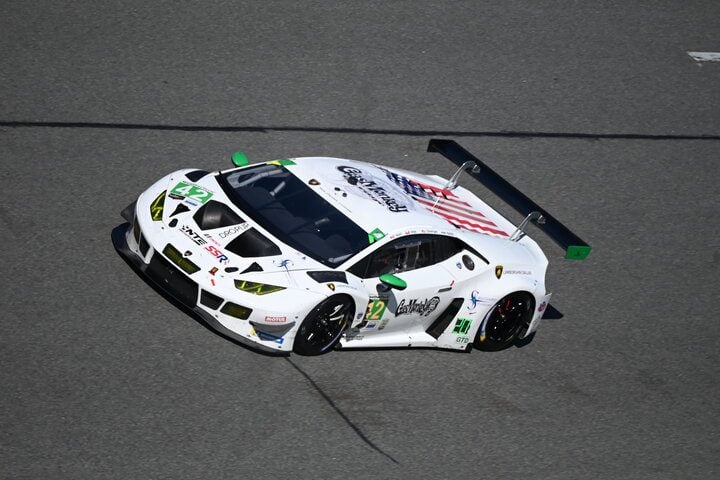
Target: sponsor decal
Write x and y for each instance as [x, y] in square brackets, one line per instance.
[374, 190]
[286, 263]
[518, 272]
[459, 265]
[233, 230]
[371, 325]
[191, 192]
[175, 196]
[275, 319]
[383, 323]
[498, 271]
[422, 308]
[462, 340]
[331, 286]
[462, 326]
[375, 235]
[475, 300]
[212, 239]
[542, 307]
[192, 235]
[220, 256]
[376, 309]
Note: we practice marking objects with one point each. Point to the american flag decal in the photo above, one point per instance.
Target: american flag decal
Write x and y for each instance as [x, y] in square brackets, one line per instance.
[447, 205]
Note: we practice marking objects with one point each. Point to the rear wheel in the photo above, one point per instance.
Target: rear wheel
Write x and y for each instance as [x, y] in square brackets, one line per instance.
[324, 325]
[507, 320]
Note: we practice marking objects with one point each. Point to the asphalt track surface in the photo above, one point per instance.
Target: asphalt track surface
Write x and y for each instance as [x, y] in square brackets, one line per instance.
[593, 109]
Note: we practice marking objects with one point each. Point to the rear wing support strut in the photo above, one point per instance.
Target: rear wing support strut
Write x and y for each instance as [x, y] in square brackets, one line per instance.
[574, 247]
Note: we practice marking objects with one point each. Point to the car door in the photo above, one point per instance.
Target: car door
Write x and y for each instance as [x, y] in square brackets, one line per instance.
[394, 313]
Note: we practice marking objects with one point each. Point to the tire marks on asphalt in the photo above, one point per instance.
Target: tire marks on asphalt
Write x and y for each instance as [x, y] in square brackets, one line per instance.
[342, 414]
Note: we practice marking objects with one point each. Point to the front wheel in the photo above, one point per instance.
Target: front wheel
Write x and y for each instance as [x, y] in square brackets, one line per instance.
[508, 319]
[324, 325]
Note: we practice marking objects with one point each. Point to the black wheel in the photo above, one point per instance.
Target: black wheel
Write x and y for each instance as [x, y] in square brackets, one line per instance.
[324, 325]
[507, 320]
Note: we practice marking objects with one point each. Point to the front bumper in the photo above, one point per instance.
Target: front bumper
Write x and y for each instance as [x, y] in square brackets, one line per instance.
[173, 283]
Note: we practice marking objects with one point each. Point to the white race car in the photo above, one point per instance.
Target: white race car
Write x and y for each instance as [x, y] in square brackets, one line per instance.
[314, 254]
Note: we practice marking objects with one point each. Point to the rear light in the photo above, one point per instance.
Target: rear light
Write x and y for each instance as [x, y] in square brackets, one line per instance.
[177, 258]
[237, 311]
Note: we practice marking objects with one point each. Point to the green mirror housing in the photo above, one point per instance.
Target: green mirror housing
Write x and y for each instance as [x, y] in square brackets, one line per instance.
[391, 281]
[239, 159]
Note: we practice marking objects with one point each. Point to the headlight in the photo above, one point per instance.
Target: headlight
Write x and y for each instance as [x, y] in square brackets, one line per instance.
[177, 258]
[157, 207]
[256, 288]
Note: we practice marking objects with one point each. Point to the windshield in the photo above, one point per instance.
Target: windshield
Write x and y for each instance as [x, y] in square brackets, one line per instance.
[286, 207]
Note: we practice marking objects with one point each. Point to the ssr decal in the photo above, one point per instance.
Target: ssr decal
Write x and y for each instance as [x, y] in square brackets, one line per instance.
[191, 192]
[420, 307]
[220, 256]
[376, 309]
[192, 235]
[372, 188]
[276, 319]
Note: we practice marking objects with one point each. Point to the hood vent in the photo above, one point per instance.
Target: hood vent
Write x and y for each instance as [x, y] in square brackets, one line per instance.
[216, 215]
[181, 208]
[196, 175]
[252, 243]
[253, 268]
[328, 276]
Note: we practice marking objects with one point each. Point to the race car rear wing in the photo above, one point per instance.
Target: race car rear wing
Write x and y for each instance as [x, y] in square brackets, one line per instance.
[574, 247]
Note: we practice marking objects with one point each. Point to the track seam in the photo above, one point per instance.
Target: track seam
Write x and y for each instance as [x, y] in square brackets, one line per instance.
[366, 131]
[342, 414]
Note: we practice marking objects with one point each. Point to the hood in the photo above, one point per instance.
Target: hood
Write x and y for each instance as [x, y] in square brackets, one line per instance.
[206, 223]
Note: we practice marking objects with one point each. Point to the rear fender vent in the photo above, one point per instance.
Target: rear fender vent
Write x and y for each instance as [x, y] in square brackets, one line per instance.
[444, 319]
[216, 215]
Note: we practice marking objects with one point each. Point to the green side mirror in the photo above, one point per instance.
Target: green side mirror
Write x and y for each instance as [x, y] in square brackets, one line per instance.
[391, 281]
[239, 159]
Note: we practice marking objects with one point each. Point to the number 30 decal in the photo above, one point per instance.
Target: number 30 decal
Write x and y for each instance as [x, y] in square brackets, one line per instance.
[192, 192]
[376, 309]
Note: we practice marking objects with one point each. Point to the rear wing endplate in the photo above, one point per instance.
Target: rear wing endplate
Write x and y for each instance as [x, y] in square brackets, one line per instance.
[574, 247]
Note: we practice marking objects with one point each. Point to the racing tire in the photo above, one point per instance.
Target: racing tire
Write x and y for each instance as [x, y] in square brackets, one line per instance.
[322, 328]
[506, 322]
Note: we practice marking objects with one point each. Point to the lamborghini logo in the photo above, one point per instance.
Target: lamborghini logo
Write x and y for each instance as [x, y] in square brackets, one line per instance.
[498, 271]
[331, 286]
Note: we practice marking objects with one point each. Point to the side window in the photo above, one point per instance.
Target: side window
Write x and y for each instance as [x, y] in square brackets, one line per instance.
[446, 247]
[401, 255]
